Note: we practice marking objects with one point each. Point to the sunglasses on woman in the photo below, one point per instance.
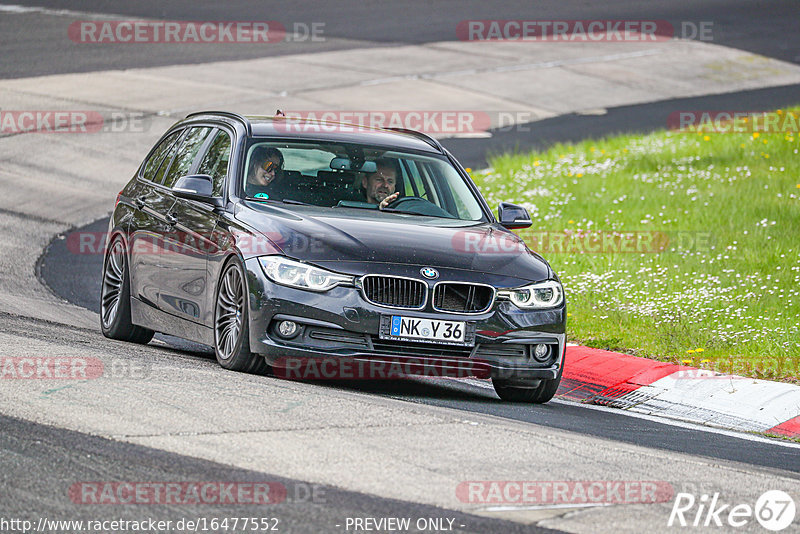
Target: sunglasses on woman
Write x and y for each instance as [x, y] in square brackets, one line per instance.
[270, 166]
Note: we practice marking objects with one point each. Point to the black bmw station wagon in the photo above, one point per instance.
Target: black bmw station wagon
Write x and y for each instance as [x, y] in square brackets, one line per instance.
[303, 247]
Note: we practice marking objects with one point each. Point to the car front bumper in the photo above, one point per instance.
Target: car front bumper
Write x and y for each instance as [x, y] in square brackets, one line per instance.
[339, 337]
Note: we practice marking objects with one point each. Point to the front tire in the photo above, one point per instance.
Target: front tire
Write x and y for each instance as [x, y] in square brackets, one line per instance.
[541, 394]
[115, 298]
[232, 325]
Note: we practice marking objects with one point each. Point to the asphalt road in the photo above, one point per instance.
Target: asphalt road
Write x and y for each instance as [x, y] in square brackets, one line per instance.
[38, 48]
[40, 466]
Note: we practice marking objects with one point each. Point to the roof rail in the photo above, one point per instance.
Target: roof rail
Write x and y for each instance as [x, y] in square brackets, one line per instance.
[428, 139]
[229, 114]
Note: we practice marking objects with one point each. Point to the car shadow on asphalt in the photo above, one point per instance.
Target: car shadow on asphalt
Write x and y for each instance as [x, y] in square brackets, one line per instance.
[415, 387]
[425, 389]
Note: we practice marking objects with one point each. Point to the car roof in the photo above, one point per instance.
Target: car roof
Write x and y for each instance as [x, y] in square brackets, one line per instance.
[314, 129]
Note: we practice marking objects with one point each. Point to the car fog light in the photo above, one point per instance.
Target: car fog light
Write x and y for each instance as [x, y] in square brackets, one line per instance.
[287, 329]
[541, 352]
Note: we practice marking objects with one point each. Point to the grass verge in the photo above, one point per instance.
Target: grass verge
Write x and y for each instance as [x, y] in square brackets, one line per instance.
[678, 246]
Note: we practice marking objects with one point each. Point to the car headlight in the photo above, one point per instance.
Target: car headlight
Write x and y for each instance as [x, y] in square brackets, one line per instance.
[547, 294]
[292, 273]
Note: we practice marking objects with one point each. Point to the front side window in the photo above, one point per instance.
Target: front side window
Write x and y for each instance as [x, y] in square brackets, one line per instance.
[348, 176]
[215, 162]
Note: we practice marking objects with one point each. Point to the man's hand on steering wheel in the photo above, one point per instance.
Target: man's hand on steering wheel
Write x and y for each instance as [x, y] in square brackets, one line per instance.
[388, 200]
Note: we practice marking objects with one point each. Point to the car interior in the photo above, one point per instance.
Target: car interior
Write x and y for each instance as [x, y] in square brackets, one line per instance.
[338, 182]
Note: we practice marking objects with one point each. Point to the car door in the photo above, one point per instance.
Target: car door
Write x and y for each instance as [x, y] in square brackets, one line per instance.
[149, 225]
[215, 163]
[182, 279]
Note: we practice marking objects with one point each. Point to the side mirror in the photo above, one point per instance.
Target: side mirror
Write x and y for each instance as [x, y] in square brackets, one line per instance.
[199, 187]
[512, 216]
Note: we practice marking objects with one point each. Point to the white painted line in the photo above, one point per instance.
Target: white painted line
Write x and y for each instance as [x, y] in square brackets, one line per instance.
[19, 10]
[683, 424]
[593, 112]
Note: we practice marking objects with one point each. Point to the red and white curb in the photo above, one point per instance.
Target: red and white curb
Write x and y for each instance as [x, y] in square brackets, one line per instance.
[595, 376]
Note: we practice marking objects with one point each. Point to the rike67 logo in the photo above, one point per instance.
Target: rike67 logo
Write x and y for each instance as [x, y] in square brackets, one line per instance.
[774, 510]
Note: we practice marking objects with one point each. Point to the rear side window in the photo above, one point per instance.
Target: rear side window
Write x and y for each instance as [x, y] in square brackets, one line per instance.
[162, 168]
[151, 167]
[215, 162]
[186, 154]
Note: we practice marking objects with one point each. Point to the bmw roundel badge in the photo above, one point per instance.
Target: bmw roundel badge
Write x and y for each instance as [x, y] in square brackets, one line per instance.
[429, 272]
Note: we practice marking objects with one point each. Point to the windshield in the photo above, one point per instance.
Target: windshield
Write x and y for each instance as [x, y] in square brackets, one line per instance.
[348, 176]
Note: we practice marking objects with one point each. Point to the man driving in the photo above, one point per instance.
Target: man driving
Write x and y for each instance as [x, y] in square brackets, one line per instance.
[379, 186]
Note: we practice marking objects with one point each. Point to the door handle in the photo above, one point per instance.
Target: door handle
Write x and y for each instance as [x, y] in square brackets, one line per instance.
[140, 201]
[172, 220]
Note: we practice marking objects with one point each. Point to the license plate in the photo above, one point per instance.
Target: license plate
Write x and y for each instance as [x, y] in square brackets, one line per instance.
[434, 330]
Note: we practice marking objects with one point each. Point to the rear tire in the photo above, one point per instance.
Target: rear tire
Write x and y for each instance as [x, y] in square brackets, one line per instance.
[115, 298]
[232, 323]
[544, 392]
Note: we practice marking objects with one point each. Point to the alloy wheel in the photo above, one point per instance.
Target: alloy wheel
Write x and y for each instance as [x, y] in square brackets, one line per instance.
[230, 303]
[113, 278]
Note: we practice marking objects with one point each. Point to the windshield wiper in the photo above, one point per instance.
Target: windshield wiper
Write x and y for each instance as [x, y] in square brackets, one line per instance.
[355, 204]
[285, 201]
[418, 214]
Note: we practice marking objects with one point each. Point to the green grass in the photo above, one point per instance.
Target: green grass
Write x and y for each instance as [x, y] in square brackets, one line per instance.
[723, 294]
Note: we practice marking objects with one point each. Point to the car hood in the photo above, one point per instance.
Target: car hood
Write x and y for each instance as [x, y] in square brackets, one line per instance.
[328, 235]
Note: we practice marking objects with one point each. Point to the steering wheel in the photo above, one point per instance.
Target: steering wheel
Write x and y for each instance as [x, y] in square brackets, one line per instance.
[400, 200]
[419, 206]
